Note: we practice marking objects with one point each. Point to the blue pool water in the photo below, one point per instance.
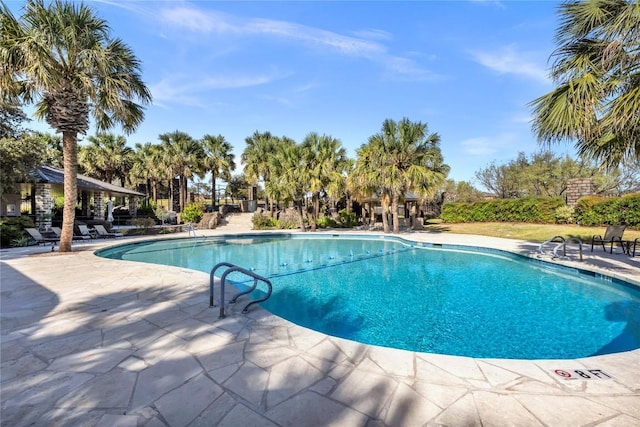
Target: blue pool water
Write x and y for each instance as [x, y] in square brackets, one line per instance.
[438, 299]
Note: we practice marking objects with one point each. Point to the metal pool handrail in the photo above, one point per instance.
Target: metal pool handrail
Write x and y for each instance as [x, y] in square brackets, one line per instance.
[234, 268]
[564, 247]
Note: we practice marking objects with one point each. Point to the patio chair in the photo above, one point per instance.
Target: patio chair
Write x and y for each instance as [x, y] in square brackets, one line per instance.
[612, 235]
[58, 232]
[84, 231]
[40, 239]
[103, 233]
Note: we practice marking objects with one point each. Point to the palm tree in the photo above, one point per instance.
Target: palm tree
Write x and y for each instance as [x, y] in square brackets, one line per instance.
[61, 58]
[366, 179]
[325, 163]
[219, 160]
[257, 158]
[185, 155]
[107, 157]
[147, 167]
[290, 176]
[597, 70]
[402, 157]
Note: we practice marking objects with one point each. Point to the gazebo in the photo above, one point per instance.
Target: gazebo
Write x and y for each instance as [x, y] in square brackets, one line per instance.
[37, 197]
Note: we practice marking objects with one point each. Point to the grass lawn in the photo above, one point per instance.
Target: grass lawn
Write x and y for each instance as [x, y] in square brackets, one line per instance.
[524, 231]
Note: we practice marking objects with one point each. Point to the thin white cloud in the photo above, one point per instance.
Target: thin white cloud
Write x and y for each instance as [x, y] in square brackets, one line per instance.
[496, 3]
[189, 90]
[363, 46]
[216, 22]
[509, 60]
[486, 145]
[373, 34]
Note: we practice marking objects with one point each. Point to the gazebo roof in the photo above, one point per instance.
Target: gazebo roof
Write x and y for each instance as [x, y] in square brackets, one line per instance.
[51, 175]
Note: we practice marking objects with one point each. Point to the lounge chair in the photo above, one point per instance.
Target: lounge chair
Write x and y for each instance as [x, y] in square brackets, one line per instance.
[103, 233]
[40, 239]
[58, 232]
[84, 231]
[612, 235]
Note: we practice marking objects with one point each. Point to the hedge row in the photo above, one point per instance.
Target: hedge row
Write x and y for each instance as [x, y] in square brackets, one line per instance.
[530, 209]
[594, 211]
[590, 211]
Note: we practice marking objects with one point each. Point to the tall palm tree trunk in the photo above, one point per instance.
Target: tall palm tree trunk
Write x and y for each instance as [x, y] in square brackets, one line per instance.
[301, 214]
[316, 211]
[385, 213]
[213, 190]
[182, 192]
[394, 214]
[70, 162]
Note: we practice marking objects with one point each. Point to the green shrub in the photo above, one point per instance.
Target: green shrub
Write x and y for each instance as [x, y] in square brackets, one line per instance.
[530, 209]
[346, 219]
[325, 221]
[596, 211]
[192, 213]
[20, 242]
[144, 223]
[263, 222]
[564, 215]
[286, 225]
[148, 211]
[12, 229]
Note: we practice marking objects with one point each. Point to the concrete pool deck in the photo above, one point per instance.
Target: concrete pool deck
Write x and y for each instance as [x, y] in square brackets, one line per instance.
[87, 341]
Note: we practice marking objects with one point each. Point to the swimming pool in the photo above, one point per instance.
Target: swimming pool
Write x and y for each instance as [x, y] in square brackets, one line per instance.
[430, 298]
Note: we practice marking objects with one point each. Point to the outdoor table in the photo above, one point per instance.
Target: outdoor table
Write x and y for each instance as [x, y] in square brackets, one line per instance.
[629, 247]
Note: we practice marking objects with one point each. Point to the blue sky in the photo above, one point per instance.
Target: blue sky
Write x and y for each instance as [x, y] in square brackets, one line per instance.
[466, 68]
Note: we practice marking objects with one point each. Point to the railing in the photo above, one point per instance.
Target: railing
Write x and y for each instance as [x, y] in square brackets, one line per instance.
[561, 243]
[234, 268]
[551, 240]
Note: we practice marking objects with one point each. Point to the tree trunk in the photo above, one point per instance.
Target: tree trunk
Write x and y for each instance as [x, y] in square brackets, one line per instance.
[385, 213]
[181, 192]
[315, 198]
[154, 191]
[70, 162]
[394, 212]
[213, 191]
[299, 204]
[172, 190]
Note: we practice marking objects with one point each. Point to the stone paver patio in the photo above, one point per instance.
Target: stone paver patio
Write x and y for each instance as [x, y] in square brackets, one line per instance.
[87, 341]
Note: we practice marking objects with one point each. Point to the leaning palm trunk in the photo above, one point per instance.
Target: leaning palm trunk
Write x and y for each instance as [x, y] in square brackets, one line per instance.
[70, 156]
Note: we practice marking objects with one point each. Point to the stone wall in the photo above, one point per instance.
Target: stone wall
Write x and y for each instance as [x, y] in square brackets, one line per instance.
[579, 187]
[44, 203]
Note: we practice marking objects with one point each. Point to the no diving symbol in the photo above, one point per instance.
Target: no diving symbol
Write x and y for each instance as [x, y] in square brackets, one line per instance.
[562, 373]
[583, 374]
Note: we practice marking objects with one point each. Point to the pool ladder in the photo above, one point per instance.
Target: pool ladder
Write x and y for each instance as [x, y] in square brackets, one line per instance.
[562, 243]
[234, 268]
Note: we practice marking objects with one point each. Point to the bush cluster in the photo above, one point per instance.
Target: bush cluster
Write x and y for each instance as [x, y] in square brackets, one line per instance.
[264, 222]
[344, 220]
[530, 209]
[144, 223]
[192, 213]
[325, 222]
[595, 211]
[12, 229]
